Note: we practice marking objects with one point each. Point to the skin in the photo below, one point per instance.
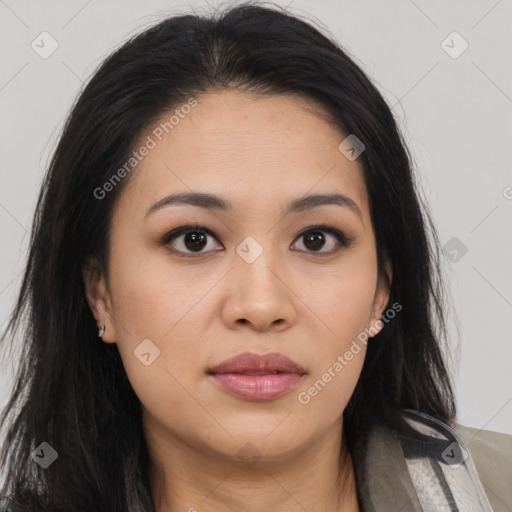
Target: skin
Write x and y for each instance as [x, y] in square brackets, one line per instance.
[295, 298]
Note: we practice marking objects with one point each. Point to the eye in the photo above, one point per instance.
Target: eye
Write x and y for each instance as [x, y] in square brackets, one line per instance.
[187, 240]
[314, 239]
[190, 240]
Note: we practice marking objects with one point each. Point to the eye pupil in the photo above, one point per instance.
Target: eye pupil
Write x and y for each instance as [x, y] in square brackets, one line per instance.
[317, 238]
[195, 240]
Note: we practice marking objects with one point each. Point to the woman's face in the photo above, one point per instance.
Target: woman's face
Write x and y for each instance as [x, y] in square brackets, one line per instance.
[248, 280]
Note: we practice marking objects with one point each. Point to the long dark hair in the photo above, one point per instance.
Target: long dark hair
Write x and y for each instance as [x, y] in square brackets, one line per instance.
[71, 390]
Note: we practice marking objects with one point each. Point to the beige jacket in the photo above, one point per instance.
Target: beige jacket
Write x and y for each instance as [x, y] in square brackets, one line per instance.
[453, 468]
[492, 455]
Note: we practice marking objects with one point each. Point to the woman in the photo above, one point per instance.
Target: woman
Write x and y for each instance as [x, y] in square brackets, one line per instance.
[232, 210]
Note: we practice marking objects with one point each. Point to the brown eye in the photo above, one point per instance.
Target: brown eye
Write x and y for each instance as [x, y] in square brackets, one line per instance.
[316, 238]
[189, 240]
[195, 241]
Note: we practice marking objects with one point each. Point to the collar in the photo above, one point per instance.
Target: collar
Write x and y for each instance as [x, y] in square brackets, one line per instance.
[431, 473]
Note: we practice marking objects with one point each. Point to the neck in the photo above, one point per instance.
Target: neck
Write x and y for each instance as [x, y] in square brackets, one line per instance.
[317, 477]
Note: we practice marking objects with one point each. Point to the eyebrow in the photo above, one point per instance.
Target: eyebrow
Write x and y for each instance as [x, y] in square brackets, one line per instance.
[213, 202]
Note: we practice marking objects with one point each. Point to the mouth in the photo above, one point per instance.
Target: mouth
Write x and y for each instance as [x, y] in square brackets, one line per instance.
[257, 378]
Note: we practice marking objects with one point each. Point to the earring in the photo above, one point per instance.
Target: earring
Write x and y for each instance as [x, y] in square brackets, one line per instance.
[101, 331]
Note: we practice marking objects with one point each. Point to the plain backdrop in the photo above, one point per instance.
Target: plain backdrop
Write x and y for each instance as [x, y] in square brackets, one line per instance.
[453, 104]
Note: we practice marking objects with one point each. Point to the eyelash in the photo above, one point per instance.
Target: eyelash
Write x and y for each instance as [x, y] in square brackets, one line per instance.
[340, 237]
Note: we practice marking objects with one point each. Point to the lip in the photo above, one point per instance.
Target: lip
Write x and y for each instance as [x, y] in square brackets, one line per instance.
[258, 377]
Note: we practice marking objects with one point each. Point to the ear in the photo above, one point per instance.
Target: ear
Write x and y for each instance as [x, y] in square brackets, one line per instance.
[98, 299]
[381, 299]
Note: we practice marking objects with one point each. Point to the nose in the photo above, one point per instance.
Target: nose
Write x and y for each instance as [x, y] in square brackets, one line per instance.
[259, 296]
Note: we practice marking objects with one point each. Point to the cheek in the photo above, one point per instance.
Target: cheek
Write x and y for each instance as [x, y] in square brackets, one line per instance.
[146, 307]
[326, 394]
[150, 295]
[345, 301]
[157, 324]
[338, 362]
[350, 308]
[344, 304]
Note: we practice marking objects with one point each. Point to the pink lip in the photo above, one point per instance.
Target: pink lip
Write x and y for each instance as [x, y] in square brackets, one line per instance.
[258, 377]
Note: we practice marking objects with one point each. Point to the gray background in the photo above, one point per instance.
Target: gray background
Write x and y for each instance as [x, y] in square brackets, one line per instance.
[455, 113]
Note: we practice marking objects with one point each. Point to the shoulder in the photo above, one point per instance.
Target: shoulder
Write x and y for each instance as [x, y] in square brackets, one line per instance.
[486, 457]
[492, 455]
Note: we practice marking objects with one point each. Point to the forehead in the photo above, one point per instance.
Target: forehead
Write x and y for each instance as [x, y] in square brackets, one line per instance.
[252, 148]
